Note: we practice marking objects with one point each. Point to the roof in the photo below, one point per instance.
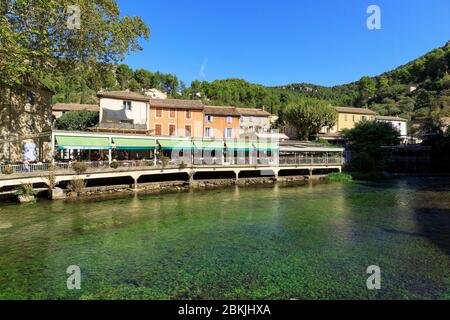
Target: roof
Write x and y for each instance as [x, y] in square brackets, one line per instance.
[275, 136]
[253, 112]
[222, 111]
[176, 103]
[390, 118]
[307, 146]
[75, 107]
[123, 95]
[355, 110]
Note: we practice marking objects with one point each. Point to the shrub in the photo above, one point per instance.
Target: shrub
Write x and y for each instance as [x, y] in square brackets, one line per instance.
[24, 190]
[77, 185]
[339, 177]
[8, 170]
[80, 167]
[114, 165]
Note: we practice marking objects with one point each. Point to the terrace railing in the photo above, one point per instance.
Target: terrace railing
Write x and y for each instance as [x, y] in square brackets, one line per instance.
[283, 161]
[311, 160]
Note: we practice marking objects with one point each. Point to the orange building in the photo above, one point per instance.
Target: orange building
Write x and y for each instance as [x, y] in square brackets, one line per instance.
[178, 118]
[221, 122]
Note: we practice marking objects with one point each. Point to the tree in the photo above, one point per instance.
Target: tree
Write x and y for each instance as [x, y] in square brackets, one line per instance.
[124, 75]
[38, 37]
[77, 120]
[367, 88]
[366, 140]
[309, 115]
[145, 78]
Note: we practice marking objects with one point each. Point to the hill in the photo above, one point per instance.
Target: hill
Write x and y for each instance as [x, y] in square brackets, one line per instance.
[420, 88]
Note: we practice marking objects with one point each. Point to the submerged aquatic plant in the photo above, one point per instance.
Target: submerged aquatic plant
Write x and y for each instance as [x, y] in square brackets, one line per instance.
[339, 177]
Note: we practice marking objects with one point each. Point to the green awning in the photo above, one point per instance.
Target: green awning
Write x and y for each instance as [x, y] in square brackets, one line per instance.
[266, 145]
[239, 145]
[209, 145]
[82, 143]
[134, 144]
[175, 144]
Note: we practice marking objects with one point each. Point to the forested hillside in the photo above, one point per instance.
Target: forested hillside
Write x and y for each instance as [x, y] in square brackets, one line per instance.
[389, 93]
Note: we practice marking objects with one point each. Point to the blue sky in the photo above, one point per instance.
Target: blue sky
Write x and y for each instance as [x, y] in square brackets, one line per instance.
[286, 41]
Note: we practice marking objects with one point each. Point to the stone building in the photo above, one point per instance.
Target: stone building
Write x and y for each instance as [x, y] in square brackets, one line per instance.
[25, 123]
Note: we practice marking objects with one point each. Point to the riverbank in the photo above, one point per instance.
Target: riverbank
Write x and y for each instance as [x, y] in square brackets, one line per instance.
[164, 187]
[183, 186]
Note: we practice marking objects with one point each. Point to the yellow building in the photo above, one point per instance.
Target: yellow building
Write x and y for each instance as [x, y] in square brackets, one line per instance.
[348, 117]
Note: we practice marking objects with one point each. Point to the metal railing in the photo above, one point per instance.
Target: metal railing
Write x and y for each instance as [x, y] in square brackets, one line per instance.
[310, 160]
[283, 161]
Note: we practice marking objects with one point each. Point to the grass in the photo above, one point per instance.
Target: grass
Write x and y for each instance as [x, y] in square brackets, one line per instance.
[339, 177]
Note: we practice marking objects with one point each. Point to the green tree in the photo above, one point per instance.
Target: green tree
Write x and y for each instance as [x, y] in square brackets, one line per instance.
[77, 120]
[37, 39]
[367, 89]
[145, 78]
[124, 74]
[309, 115]
[366, 140]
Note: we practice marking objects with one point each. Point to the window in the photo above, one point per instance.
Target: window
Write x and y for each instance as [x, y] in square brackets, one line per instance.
[127, 105]
[363, 118]
[229, 119]
[158, 113]
[208, 132]
[172, 113]
[209, 118]
[172, 130]
[229, 133]
[187, 131]
[188, 114]
[353, 118]
[250, 119]
[158, 129]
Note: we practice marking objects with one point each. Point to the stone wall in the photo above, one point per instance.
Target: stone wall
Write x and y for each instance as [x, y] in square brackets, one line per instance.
[25, 117]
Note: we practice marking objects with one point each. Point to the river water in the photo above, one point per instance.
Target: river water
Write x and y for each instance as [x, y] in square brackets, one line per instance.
[278, 242]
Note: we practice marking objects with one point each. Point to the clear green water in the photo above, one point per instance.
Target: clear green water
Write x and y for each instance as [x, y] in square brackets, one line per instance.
[302, 242]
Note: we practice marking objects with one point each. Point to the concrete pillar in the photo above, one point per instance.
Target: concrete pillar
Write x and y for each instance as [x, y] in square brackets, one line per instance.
[135, 185]
[236, 172]
[191, 177]
[311, 171]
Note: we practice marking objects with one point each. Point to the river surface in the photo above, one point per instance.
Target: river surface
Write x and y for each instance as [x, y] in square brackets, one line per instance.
[277, 242]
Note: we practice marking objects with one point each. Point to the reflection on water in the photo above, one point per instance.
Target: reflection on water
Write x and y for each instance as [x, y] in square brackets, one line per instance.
[277, 242]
